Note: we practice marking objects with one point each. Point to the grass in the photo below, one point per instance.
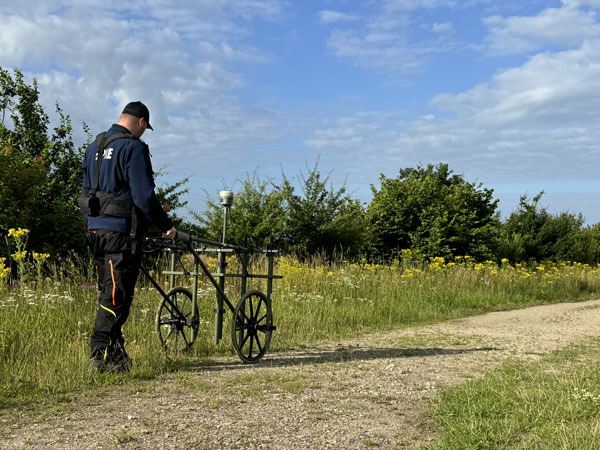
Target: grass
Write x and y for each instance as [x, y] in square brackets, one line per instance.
[45, 323]
[122, 437]
[552, 404]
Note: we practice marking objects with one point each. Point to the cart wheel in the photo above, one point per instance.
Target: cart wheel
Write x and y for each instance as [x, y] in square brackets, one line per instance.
[252, 326]
[175, 328]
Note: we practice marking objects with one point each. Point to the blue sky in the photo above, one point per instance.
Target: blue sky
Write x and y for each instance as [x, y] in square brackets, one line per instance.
[507, 93]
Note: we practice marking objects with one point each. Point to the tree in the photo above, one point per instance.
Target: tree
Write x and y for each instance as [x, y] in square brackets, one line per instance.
[21, 181]
[256, 214]
[432, 210]
[58, 225]
[171, 195]
[320, 219]
[532, 233]
[41, 174]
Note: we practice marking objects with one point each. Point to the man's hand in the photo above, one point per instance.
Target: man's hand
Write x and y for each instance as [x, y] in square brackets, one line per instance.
[170, 234]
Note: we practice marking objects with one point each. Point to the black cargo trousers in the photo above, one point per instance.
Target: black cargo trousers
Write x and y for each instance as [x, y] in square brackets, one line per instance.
[118, 270]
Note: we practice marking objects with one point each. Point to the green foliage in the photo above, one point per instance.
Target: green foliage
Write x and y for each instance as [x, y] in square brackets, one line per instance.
[532, 233]
[29, 120]
[21, 181]
[321, 219]
[431, 210]
[41, 175]
[257, 214]
[171, 194]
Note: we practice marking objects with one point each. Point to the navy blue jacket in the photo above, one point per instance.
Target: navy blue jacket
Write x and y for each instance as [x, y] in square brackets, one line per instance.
[126, 170]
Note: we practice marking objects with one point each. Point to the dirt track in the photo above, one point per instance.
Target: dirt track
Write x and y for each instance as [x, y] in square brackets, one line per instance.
[367, 391]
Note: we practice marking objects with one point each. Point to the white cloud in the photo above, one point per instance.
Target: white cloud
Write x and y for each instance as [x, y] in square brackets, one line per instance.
[445, 27]
[385, 43]
[537, 122]
[550, 89]
[182, 61]
[409, 5]
[566, 26]
[328, 16]
[533, 123]
[379, 50]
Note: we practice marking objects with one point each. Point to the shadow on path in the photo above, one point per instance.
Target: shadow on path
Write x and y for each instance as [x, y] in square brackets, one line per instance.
[338, 355]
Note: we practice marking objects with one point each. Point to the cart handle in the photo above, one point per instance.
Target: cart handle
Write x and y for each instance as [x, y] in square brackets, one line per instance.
[187, 239]
[182, 237]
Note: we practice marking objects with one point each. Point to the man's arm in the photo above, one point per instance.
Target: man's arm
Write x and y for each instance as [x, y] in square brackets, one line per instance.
[141, 183]
[170, 234]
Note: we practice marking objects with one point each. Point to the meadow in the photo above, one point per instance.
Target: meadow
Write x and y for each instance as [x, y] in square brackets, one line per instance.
[46, 315]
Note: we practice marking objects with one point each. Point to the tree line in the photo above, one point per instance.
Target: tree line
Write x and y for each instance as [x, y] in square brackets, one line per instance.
[427, 208]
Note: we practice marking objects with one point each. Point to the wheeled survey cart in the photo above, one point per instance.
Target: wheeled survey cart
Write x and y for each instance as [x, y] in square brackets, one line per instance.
[178, 319]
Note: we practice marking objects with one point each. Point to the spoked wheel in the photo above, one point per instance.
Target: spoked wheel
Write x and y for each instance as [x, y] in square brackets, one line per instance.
[175, 328]
[252, 326]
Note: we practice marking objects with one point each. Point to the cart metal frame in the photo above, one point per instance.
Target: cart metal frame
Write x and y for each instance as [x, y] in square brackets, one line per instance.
[177, 317]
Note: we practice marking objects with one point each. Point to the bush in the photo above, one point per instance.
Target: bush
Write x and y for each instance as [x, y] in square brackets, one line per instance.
[435, 212]
[532, 233]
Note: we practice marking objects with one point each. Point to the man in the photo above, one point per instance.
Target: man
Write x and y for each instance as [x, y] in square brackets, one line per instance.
[128, 203]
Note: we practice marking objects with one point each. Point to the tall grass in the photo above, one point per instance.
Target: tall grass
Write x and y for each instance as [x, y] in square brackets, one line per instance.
[551, 404]
[45, 321]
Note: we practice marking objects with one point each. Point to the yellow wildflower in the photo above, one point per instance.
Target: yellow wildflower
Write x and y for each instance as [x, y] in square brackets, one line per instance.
[19, 256]
[18, 232]
[40, 256]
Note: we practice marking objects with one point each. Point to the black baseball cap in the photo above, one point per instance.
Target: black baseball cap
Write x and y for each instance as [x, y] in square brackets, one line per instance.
[138, 109]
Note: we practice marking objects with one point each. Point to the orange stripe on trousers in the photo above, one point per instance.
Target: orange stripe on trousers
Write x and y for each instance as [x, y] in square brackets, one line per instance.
[112, 276]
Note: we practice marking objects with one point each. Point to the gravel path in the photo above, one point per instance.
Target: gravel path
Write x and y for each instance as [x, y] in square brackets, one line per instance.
[368, 391]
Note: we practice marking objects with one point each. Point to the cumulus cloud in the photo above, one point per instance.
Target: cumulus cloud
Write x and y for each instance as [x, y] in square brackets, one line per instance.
[566, 26]
[328, 16]
[550, 89]
[385, 42]
[530, 125]
[534, 122]
[180, 61]
[409, 5]
[445, 27]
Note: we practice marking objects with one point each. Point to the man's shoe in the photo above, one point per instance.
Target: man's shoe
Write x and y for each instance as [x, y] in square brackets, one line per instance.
[96, 365]
[120, 359]
[122, 366]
